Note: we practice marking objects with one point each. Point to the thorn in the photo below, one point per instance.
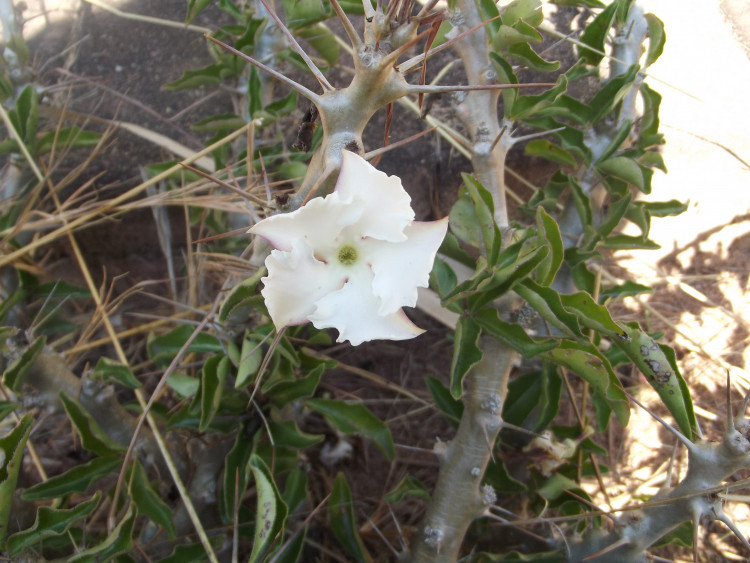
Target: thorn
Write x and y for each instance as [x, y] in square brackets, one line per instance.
[398, 528]
[351, 33]
[696, 525]
[299, 50]
[499, 136]
[487, 441]
[720, 515]
[618, 543]
[688, 444]
[730, 415]
[382, 537]
[223, 184]
[309, 94]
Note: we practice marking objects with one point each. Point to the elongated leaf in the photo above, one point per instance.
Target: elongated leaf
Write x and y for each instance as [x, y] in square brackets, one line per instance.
[533, 399]
[242, 300]
[213, 378]
[549, 232]
[109, 371]
[12, 446]
[656, 39]
[148, 502]
[270, 511]
[75, 480]
[548, 304]
[343, 523]
[617, 140]
[589, 364]
[523, 53]
[550, 151]
[444, 401]
[235, 477]
[355, 419]
[660, 368]
[595, 34]
[323, 41]
[66, 138]
[18, 368]
[92, 436]
[162, 349]
[287, 434]
[51, 522]
[624, 168]
[119, 541]
[408, 487]
[513, 334]
[484, 208]
[466, 353]
[286, 392]
[591, 315]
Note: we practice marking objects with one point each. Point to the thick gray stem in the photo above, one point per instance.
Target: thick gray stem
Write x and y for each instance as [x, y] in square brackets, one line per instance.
[459, 497]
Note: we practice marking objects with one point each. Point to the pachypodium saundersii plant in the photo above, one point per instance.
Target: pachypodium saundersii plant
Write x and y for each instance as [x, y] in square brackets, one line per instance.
[247, 415]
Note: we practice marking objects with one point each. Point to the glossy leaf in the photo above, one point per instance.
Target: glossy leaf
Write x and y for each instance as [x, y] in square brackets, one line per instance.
[343, 523]
[251, 356]
[533, 399]
[624, 168]
[513, 334]
[589, 364]
[523, 53]
[545, 149]
[12, 447]
[50, 522]
[235, 477]
[548, 304]
[270, 512]
[656, 39]
[484, 208]
[451, 408]
[466, 353]
[529, 11]
[595, 34]
[323, 41]
[591, 315]
[119, 541]
[163, 348]
[286, 392]
[148, 501]
[76, 480]
[617, 140]
[659, 366]
[408, 487]
[286, 434]
[92, 436]
[111, 371]
[355, 418]
[549, 232]
[18, 368]
[213, 378]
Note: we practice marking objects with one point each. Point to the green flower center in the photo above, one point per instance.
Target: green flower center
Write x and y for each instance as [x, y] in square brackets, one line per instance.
[347, 255]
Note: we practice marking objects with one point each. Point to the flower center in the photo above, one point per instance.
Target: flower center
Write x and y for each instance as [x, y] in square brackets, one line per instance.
[347, 255]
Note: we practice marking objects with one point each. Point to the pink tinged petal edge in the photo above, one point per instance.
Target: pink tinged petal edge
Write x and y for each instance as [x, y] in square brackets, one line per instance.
[386, 205]
[353, 311]
[319, 222]
[403, 267]
[295, 281]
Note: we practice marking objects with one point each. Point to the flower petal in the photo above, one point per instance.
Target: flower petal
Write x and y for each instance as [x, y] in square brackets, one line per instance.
[319, 223]
[402, 267]
[387, 205]
[353, 311]
[295, 281]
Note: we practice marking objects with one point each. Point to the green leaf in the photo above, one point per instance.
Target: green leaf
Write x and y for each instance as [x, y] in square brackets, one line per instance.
[649, 126]
[464, 222]
[512, 334]
[665, 208]
[355, 419]
[242, 300]
[509, 35]
[408, 487]
[656, 39]
[523, 53]
[26, 116]
[250, 359]
[7, 407]
[50, 522]
[528, 106]
[235, 476]
[591, 315]
[213, 377]
[92, 436]
[162, 349]
[343, 523]
[323, 41]
[195, 7]
[109, 371]
[286, 392]
[148, 502]
[119, 541]
[444, 401]
[659, 366]
[505, 75]
[545, 149]
[627, 242]
[286, 434]
[627, 288]
[12, 447]
[589, 364]
[533, 399]
[75, 480]
[612, 93]
[209, 75]
[466, 353]
[442, 278]
[18, 368]
[624, 168]
[617, 140]
[295, 490]
[484, 208]
[595, 34]
[549, 231]
[530, 11]
[70, 137]
[270, 512]
[547, 303]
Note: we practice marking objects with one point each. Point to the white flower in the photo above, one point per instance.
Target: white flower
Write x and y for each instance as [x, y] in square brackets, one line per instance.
[351, 260]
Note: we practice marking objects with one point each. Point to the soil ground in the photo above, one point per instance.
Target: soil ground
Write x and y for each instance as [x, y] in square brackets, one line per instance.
[702, 298]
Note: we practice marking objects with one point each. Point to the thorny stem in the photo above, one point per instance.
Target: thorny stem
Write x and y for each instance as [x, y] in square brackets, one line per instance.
[459, 497]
